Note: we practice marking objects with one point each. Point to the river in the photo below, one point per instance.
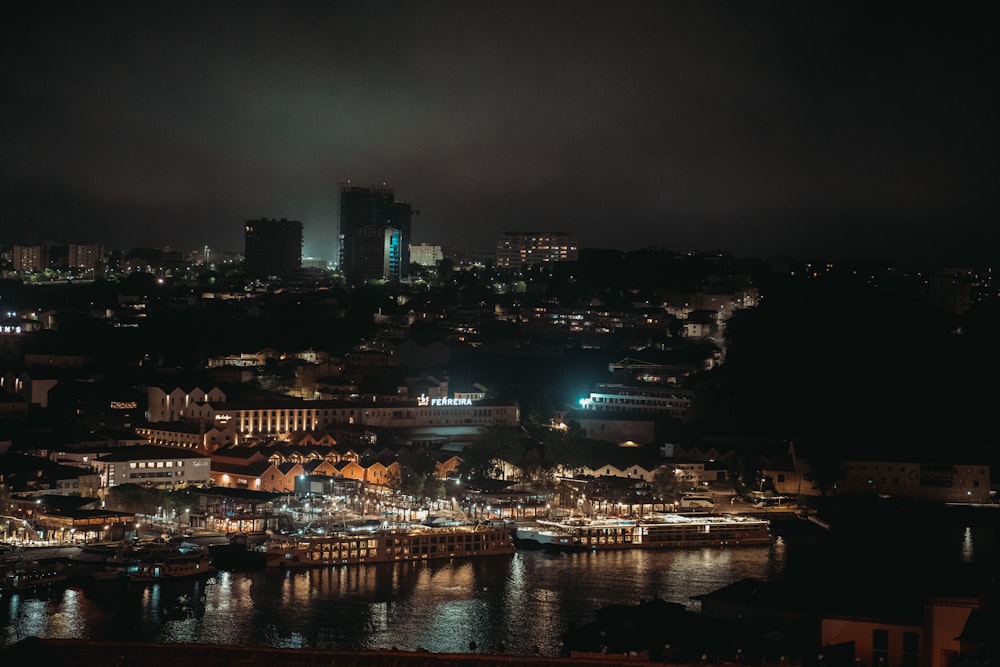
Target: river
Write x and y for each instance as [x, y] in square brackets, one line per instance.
[525, 600]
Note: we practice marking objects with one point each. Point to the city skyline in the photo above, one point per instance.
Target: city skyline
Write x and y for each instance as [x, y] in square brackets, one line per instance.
[845, 131]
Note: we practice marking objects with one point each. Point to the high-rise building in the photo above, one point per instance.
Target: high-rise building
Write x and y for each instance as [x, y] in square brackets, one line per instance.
[273, 247]
[374, 233]
[30, 257]
[527, 249]
[85, 255]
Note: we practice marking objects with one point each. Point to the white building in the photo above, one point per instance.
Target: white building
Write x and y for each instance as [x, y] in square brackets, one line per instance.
[149, 465]
[187, 435]
[171, 404]
[426, 255]
[652, 401]
[289, 416]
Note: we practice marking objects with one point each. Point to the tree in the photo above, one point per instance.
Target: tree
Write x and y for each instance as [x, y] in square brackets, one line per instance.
[483, 457]
[749, 467]
[570, 448]
[532, 465]
[275, 376]
[148, 500]
[824, 468]
[417, 476]
[536, 405]
[665, 484]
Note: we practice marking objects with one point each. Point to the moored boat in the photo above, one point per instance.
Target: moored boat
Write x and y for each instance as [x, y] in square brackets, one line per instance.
[20, 575]
[389, 545]
[538, 535]
[100, 561]
[173, 561]
[657, 531]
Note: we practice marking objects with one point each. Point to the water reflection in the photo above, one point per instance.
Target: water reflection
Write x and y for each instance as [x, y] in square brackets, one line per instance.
[516, 602]
[968, 552]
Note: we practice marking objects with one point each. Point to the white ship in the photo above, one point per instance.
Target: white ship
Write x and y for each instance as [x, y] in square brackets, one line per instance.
[656, 531]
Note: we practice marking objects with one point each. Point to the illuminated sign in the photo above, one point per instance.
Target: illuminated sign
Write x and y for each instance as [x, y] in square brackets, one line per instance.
[935, 474]
[124, 405]
[423, 400]
[223, 418]
[451, 401]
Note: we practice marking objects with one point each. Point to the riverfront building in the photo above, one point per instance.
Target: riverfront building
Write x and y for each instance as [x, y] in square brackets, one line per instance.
[917, 478]
[209, 412]
[278, 420]
[149, 465]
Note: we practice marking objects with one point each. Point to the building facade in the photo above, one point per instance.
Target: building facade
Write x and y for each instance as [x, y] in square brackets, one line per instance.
[30, 257]
[149, 465]
[85, 255]
[938, 479]
[426, 255]
[375, 232]
[517, 250]
[278, 420]
[666, 401]
[169, 404]
[187, 435]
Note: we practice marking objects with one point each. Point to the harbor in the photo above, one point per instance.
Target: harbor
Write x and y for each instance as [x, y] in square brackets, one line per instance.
[516, 604]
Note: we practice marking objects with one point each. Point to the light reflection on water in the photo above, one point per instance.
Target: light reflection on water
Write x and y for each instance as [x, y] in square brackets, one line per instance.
[968, 551]
[513, 602]
[522, 601]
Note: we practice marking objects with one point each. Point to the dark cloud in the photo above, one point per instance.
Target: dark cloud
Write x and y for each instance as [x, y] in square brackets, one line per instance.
[821, 128]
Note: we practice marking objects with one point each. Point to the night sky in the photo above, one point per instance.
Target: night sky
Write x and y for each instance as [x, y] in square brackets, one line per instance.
[836, 129]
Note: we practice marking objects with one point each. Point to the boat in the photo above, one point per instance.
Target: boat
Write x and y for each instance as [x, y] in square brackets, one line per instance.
[169, 561]
[655, 531]
[231, 551]
[376, 544]
[101, 561]
[22, 575]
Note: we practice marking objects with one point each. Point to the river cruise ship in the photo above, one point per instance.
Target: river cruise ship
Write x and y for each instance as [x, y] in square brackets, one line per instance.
[658, 531]
[389, 545]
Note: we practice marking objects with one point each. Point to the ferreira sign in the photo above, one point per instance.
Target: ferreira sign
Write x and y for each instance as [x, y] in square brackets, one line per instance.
[423, 401]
